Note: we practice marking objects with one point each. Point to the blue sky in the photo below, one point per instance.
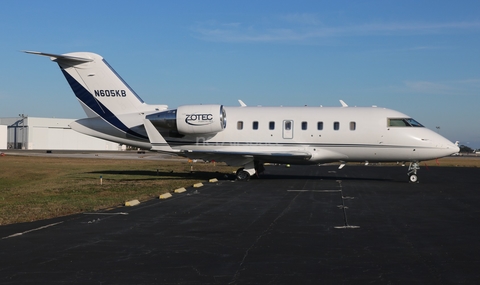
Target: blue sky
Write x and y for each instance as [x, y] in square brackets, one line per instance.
[418, 57]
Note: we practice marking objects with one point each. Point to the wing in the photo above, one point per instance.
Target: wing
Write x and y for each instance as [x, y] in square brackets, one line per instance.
[237, 157]
[243, 157]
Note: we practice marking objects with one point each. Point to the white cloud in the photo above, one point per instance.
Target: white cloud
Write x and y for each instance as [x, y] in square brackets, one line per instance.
[304, 27]
[233, 25]
[304, 19]
[427, 87]
[474, 81]
[452, 87]
[424, 48]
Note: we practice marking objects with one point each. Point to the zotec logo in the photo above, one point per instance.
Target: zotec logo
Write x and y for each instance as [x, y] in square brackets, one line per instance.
[199, 119]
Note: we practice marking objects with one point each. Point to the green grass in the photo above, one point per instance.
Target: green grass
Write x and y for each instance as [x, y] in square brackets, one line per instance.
[34, 188]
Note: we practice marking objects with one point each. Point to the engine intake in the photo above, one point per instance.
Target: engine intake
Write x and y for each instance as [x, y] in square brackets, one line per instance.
[191, 119]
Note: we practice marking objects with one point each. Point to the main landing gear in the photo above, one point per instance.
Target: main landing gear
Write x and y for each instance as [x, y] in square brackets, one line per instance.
[250, 169]
[412, 171]
[243, 175]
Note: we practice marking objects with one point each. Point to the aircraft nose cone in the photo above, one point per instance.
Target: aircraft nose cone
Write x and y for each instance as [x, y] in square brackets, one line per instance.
[450, 148]
[456, 148]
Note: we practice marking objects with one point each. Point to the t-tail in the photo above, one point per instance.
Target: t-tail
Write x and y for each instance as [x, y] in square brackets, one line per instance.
[115, 112]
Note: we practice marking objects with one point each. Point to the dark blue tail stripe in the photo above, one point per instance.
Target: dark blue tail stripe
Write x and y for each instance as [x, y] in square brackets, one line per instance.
[87, 98]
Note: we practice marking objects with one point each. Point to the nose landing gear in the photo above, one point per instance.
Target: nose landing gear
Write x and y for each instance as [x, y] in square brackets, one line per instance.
[412, 171]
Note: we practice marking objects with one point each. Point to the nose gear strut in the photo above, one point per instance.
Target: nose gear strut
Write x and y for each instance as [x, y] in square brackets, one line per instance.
[412, 171]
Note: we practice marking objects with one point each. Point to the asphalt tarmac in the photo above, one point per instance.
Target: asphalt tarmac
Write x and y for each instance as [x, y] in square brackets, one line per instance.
[298, 225]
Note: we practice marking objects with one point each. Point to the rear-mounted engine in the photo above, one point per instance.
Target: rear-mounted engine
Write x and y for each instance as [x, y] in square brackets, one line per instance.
[191, 119]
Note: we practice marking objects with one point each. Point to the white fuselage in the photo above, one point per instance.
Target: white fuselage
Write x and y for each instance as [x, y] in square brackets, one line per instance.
[327, 133]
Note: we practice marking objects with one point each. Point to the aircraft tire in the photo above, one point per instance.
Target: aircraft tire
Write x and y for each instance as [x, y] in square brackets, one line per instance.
[243, 175]
[413, 178]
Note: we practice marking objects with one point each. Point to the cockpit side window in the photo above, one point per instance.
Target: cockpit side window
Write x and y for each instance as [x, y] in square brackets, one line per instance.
[397, 123]
[403, 122]
[413, 123]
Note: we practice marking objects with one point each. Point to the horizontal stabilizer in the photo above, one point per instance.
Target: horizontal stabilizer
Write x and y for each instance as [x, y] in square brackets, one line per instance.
[60, 57]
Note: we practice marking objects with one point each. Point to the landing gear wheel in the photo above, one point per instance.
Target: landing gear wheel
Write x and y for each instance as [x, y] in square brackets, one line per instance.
[242, 175]
[413, 178]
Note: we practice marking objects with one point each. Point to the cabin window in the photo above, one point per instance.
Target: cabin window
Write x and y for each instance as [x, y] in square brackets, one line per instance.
[336, 126]
[353, 126]
[255, 125]
[240, 125]
[304, 125]
[319, 126]
[288, 125]
[403, 122]
[271, 126]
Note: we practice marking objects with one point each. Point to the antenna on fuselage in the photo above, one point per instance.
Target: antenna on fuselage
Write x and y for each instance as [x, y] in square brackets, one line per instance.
[242, 104]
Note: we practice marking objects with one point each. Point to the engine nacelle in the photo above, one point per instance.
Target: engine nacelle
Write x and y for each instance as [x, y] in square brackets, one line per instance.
[192, 119]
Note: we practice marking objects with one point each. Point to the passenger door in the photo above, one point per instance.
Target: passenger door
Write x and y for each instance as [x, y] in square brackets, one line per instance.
[288, 129]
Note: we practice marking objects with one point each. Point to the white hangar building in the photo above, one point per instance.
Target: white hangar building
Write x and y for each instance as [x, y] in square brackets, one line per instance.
[47, 134]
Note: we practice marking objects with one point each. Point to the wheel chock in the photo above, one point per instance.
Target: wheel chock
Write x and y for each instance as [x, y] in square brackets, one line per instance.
[180, 190]
[132, 203]
[165, 196]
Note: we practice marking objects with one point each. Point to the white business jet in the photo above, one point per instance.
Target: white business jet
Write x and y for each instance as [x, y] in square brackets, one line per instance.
[245, 136]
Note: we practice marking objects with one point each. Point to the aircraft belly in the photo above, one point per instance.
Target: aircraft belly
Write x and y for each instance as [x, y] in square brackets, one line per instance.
[394, 153]
[322, 155]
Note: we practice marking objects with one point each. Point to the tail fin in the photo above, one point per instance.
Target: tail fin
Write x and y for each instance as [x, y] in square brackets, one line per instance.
[100, 90]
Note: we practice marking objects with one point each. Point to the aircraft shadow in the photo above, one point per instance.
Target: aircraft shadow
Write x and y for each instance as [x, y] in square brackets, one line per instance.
[321, 177]
[194, 175]
[205, 175]
[358, 173]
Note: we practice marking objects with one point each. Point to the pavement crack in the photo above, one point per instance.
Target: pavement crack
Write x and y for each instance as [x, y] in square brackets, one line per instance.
[344, 208]
[259, 237]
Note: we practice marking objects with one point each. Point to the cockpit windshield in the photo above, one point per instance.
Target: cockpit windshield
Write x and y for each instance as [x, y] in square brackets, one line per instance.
[403, 122]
